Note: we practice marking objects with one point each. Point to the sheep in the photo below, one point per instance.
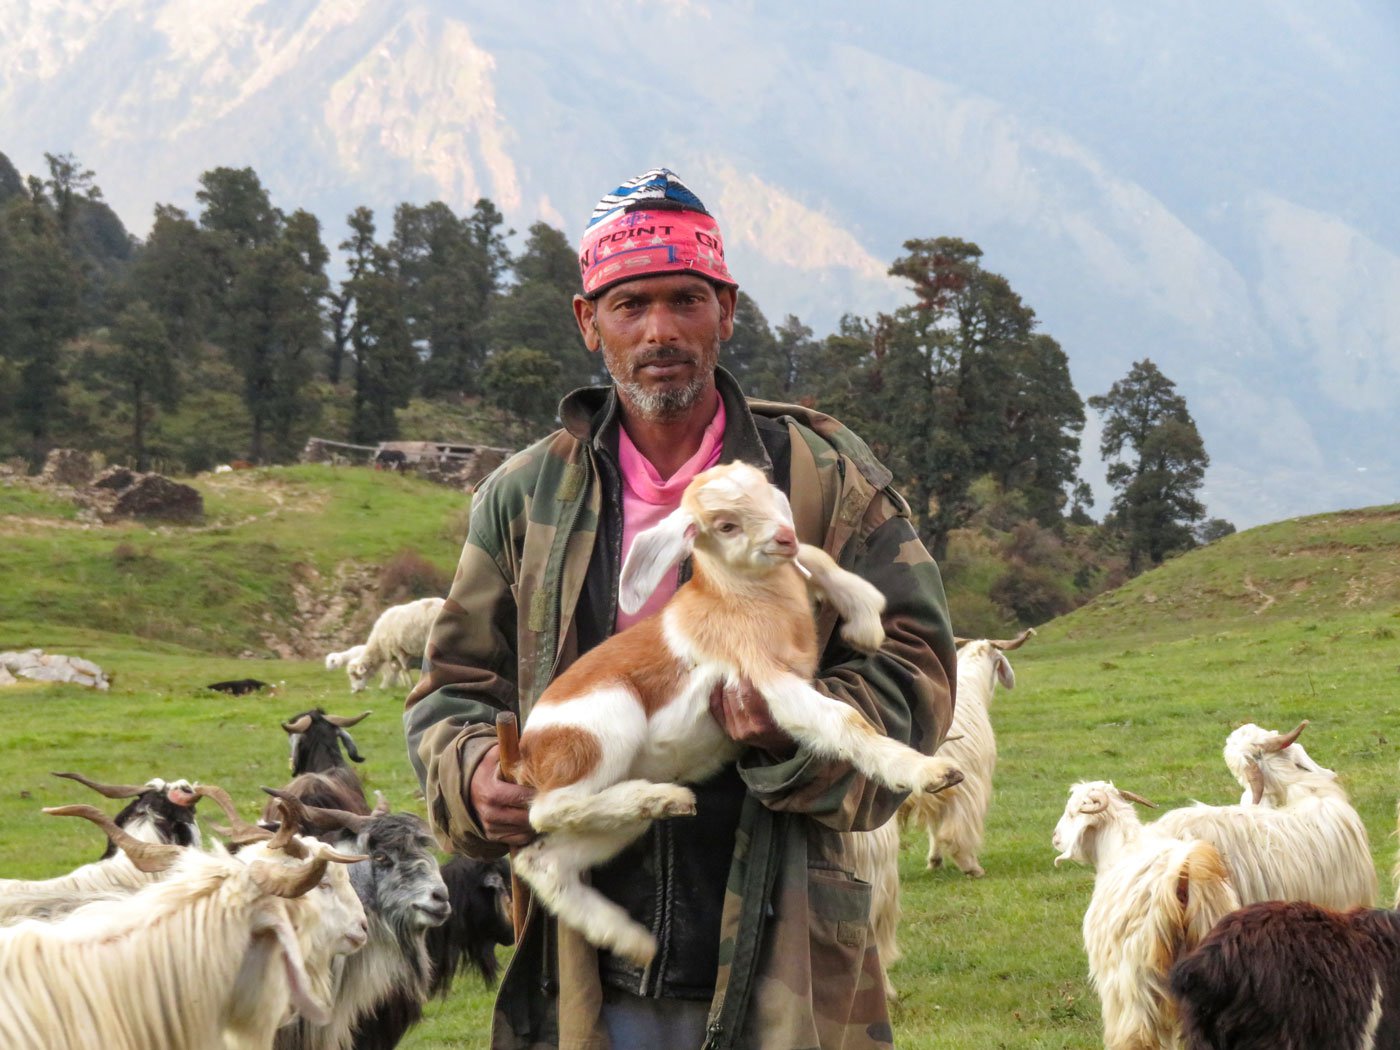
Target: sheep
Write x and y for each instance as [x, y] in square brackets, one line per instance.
[320, 773]
[190, 962]
[874, 858]
[403, 895]
[1155, 898]
[1281, 974]
[161, 810]
[607, 740]
[955, 819]
[396, 642]
[345, 656]
[1307, 843]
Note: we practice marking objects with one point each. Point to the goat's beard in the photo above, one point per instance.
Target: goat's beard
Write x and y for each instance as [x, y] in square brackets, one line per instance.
[668, 403]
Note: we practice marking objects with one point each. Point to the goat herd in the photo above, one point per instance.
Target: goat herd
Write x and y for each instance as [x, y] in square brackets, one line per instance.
[325, 926]
[328, 924]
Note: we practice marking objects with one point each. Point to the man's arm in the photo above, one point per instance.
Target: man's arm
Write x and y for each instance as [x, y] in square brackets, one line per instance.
[470, 669]
[906, 688]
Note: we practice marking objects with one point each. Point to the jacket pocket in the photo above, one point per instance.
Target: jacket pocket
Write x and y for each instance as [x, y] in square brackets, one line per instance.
[840, 928]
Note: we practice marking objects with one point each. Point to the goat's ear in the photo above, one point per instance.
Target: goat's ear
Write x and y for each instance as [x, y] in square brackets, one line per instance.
[654, 552]
[1005, 675]
[271, 918]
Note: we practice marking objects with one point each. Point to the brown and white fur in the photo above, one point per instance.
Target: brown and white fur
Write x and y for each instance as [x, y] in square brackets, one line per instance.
[608, 742]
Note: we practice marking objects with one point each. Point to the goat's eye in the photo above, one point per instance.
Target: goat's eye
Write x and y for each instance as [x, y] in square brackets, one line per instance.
[381, 858]
[726, 527]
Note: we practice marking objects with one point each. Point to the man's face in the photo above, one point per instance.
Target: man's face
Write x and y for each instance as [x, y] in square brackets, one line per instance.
[660, 339]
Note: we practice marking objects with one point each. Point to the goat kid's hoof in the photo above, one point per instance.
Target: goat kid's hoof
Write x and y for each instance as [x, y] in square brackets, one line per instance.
[941, 778]
[675, 801]
[637, 948]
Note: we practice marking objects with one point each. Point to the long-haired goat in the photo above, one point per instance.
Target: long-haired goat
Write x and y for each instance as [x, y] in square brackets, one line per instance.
[956, 819]
[160, 810]
[1290, 974]
[479, 891]
[116, 876]
[403, 895]
[396, 643]
[209, 958]
[1304, 841]
[607, 741]
[1155, 898]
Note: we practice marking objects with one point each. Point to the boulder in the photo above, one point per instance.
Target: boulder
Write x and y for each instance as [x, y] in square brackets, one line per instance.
[125, 493]
[68, 466]
[39, 666]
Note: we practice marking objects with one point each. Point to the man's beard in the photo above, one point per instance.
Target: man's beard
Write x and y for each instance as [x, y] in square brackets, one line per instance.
[657, 405]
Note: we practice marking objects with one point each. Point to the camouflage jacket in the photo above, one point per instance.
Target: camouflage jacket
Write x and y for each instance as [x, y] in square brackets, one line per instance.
[798, 967]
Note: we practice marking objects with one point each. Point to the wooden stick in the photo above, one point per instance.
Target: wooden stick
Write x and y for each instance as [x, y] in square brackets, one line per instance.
[508, 760]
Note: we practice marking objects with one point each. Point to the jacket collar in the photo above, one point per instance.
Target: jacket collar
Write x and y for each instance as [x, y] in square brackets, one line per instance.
[592, 413]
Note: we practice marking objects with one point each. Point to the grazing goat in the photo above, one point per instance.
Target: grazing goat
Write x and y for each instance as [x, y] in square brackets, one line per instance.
[1307, 842]
[211, 957]
[479, 891]
[396, 642]
[403, 896]
[605, 743]
[1289, 974]
[1155, 898]
[874, 858]
[956, 819]
[320, 774]
[160, 810]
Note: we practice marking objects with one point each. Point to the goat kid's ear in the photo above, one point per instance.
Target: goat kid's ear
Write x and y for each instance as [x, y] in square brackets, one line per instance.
[654, 553]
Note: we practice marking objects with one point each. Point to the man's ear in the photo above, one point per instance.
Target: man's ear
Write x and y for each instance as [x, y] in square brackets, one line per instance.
[586, 313]
[653, 553]
[728, 302]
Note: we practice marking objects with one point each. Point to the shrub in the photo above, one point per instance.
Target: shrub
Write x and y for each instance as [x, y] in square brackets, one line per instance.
[409, 575]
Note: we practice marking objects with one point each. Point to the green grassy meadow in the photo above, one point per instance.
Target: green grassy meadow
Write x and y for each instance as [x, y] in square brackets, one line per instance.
[1289, 621]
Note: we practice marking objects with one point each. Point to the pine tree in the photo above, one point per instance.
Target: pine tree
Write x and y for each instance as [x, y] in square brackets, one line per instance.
[379, 339]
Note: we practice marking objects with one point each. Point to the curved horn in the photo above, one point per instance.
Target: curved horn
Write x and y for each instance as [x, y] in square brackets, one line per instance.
[239, 832]
[1279, 743]
[315, 816]
[293, 819]
[1094, 806]
[349, 743]
[1132, 797]
[301, 725]
[1014, 643]
[346, 721]
[150, 857]
[381, 805]
[283, 881]
[1256, 782]
[110, 790]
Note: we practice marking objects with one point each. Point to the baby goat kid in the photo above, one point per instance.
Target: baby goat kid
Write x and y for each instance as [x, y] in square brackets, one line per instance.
[607, 741]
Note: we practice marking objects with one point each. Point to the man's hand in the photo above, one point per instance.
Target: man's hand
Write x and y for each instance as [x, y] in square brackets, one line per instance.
[744, 716]
[501, 807]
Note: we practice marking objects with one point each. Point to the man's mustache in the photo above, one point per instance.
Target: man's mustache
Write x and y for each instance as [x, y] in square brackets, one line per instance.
[667, 355]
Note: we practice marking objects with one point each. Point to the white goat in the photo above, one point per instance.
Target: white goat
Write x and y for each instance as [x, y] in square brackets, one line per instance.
[396, 643]
[208, 959]
[1155, 898]
[874, 858]
[956, 819]
[1300, 839]
[609, 737]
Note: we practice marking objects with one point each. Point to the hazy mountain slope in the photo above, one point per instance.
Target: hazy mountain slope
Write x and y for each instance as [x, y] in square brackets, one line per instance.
[1209, 185]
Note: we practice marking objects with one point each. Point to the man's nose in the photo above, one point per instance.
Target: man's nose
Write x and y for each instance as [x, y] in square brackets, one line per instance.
[661, 324]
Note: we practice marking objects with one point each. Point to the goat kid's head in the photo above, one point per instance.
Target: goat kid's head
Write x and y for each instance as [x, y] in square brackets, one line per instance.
[1092, 806]
[1266, 763]
[728, 513]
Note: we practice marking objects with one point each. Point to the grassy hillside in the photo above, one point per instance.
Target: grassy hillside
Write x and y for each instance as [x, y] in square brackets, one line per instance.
[1141, 687]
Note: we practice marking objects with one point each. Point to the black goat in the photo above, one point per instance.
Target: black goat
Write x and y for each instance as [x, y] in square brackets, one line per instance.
[238, 686]
[320, 774]
[1292, 974]
[404, 897]
[160, 810]
[480, 895]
